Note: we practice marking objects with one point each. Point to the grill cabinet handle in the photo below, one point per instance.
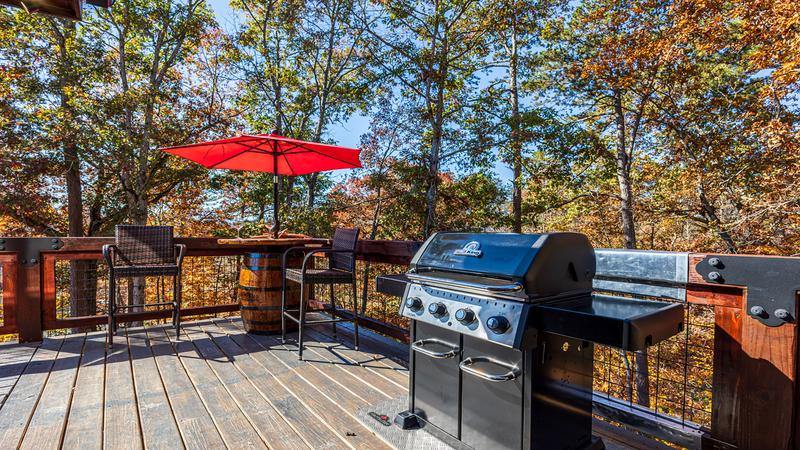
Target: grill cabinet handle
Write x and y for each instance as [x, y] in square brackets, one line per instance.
[509, 287]
[419, 347]
[466, 366]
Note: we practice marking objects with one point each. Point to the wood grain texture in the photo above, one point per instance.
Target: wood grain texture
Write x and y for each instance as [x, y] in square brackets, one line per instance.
[233, 425]
[23, 399]
[159, 429]
[28, 303]
[46, 427]
[755, 368]
[194, 421]
[290, 403]
[121, 427]
[268, 422]
[245, 355]
[84, 428]
[314, 397]
[13, 360]
[9, 294]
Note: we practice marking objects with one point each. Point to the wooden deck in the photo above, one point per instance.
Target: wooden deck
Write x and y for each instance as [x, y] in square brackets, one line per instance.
[215, 387]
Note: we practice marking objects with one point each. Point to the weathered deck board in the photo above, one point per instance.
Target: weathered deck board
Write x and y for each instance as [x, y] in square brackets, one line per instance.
[233, 425]
[159, 429]
[49, 419]
[290, 374]
[216, 385]
[13, 360]
[339, 372]
[23, 399]
[85, 421]
[194, 421]
[308, 425]
[121, 428]
[269, 423]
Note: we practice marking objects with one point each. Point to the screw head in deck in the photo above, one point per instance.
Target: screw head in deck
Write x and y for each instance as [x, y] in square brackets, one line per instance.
[715, 276]
[757, 311]
[715, 262]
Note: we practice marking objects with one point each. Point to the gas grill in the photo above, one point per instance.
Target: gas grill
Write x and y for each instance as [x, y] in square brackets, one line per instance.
[502, 329]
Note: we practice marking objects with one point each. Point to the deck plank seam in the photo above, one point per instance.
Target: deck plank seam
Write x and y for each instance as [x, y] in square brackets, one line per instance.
[176, 354]
[133, 385]
[317, 389]
[338, 382]
[313, 350]
[227, 389]
[41, 390]
[333, 349]
[163, 386]
[18, 376]
[71, 394]
[291, 392]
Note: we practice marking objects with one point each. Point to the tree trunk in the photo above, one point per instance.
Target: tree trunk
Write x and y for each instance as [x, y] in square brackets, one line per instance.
[710, 211]
[82, 274]
[623, 164]
[516, 144]
[433, 180]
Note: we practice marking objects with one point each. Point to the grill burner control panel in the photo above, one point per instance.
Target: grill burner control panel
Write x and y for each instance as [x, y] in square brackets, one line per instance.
[486, 318]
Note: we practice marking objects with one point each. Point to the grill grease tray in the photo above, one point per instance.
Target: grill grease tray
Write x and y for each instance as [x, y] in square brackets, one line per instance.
[626, 323]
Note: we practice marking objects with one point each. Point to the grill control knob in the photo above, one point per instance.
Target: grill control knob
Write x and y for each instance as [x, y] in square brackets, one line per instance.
[498, 324]
[465, 316]
[414, 303]
[437, 309]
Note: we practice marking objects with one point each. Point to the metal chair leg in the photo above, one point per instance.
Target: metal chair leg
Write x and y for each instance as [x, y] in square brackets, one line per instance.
[355, 312]
[333, 307]
[302, 321]
[110, 308]
[176, 303]
[283, 308]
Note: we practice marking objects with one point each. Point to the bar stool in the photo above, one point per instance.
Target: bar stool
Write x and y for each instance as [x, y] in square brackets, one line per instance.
[143, 251]
[341, 270]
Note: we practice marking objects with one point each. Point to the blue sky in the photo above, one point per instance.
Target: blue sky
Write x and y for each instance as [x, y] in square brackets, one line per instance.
[347, 133]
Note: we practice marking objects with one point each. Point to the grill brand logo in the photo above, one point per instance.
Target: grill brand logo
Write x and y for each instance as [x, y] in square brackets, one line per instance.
[472, 248]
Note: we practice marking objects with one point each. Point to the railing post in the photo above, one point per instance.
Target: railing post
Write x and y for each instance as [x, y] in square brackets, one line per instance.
[754, 398]
[29, 302]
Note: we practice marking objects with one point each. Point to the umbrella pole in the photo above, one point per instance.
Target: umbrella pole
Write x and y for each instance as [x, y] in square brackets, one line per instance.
[275, 190]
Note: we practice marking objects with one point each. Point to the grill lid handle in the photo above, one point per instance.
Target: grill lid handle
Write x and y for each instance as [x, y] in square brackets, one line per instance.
[512, 371]
[419, 347]
[509, 287]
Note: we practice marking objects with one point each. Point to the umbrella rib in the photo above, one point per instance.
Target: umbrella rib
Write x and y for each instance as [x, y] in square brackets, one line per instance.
[249, 148]
[322, 154]
[200, 144]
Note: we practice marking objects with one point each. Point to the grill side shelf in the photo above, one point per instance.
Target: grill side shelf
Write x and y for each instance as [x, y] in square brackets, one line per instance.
[626, 323]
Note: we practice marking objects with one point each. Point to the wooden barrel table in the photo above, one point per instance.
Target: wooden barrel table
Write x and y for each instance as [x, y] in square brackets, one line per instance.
[260, 292]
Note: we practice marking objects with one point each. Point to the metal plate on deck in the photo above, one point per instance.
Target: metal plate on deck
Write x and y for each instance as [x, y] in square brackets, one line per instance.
[395, 436]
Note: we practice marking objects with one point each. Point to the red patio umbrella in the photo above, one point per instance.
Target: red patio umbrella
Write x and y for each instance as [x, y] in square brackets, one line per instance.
[269, 153]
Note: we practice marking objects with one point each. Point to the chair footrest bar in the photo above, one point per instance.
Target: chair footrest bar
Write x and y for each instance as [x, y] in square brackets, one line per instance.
[143, 306]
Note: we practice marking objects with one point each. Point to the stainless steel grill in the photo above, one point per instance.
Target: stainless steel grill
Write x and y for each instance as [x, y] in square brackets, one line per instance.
[503, 327]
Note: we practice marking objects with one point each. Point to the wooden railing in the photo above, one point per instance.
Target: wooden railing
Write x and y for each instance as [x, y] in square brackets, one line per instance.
[754, 389]
[29, 291]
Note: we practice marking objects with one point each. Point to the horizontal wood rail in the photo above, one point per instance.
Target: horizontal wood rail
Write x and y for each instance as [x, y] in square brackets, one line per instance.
[29, 290]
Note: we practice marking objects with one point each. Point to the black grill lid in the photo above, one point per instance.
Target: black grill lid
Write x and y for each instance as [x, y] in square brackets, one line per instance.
[544, 264]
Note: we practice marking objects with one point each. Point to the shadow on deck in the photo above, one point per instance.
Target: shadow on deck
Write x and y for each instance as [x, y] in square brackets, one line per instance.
[215, 387]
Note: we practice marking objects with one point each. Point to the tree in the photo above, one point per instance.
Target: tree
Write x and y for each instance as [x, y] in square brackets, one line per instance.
[431, 49]
[607, 60]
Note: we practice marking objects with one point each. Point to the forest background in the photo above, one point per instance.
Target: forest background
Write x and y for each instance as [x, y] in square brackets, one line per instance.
[644, 124]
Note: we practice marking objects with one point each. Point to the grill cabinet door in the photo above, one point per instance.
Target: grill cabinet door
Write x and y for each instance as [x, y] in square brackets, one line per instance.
[436, 380]
[491, 411]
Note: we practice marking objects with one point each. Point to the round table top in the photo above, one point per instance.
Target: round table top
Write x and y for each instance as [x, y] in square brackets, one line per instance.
[261, 242]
